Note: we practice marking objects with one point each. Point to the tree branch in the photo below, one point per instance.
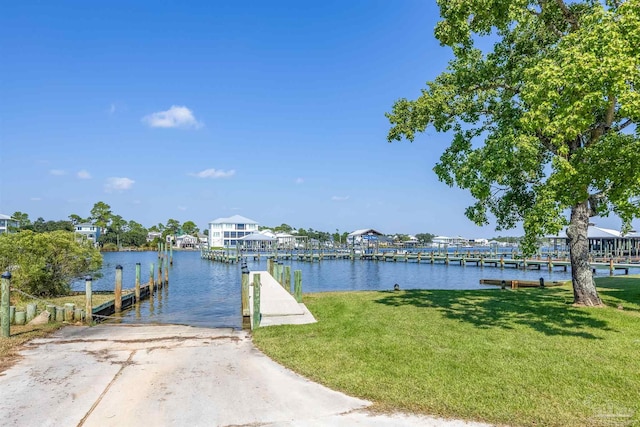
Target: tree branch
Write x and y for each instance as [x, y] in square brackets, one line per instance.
[568, 15]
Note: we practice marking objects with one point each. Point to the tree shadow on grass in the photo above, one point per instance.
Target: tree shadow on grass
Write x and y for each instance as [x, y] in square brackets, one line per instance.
[544, 310]
[623, 291]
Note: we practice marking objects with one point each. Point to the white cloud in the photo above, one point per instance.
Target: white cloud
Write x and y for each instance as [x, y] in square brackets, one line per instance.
[83, 174]
[340, 198]
[36, 199]
[214, 173]
[182, 208]
[299, 180]
[57, 172]
[118, 184]
[112, 108]
[174, 117]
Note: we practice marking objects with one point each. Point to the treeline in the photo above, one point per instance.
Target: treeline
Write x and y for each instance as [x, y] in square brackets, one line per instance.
[116, 231]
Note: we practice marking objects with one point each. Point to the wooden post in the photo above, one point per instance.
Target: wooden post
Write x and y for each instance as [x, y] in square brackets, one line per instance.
[270, 266]
[137, 282]
[287, 278]
[31, 312]
[171, 254]
[166, 271]
[152, 279]
[69, 309]
[297, 285]
[118, 290]
[245, 291]
[611, 267]
[88, 304]
[256, 301]
[501, 261]
[159, 277]
[4, 306]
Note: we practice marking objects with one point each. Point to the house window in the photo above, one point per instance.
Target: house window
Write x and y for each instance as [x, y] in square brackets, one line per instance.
[226, 234]
[234, 234]
[241, 226]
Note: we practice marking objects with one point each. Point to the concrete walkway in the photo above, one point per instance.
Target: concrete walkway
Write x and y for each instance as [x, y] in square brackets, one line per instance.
[277, 306]
[169, 375]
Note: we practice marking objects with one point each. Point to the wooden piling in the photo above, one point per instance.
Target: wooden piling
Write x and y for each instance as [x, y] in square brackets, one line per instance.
[287, 278]
[297, 285]
[611, 267]
[31, 312]
[245, 292]
[166, 271]
[88, 304]
[69, 309]
[117, 293]
[159, 277]
[256, 301]
[20, 318]
[171, 254]
[137, 282]
[4, 305]
[152, 279]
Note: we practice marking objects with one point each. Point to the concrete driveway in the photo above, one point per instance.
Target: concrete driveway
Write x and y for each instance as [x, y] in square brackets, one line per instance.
[170, 375]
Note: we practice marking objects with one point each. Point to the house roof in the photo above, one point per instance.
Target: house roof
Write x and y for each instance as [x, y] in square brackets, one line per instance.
[364, 231]
[256, 237]
[3, 216]
[594, 232]
[236, 219]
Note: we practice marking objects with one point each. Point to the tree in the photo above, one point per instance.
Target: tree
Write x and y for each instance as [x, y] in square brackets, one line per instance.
[23, 220]
[77, 219]
[45, 263]
[190, 227]
[172, 228]
[425, 237]
[101, 214]
[544, 123]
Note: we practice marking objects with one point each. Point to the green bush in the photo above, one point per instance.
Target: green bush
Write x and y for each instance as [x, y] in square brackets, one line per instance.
[43, 264]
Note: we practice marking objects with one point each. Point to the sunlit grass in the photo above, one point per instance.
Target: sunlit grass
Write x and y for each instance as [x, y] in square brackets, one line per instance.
[524, 357]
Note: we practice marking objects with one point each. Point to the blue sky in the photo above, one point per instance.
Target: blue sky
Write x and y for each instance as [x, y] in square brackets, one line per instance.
[198, 110]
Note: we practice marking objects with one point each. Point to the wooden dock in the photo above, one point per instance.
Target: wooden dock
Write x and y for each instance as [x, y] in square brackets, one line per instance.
[478, 260]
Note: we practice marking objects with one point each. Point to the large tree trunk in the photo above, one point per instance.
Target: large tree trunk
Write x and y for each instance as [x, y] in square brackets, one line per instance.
[584, 287]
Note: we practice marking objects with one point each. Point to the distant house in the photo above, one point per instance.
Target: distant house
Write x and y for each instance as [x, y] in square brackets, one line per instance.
[444, 240]
[152, 235]
[186, 241]
[363, 235]
[203, 240]
[225, 232]
[90, 231]
[7, 223]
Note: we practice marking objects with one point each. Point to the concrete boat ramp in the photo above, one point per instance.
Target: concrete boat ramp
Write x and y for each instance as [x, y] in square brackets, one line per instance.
[173, 375]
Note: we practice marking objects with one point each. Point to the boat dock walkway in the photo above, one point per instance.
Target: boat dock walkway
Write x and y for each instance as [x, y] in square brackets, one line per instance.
[277, 306]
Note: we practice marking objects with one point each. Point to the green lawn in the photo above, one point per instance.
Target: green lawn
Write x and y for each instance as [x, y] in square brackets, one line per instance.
[524, 357]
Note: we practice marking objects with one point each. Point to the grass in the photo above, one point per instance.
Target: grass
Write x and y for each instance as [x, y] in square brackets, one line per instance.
[20, 334]
[522, 358]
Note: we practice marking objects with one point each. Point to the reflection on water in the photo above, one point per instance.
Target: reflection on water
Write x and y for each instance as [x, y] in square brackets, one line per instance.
[206, 293]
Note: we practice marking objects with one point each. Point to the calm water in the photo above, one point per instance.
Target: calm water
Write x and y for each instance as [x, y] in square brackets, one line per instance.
[207, 293]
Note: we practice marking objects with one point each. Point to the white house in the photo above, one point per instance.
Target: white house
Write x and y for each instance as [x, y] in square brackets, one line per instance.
[90, 231]
[186, 241]
[364, 234]
[225, 232]
[6, 223]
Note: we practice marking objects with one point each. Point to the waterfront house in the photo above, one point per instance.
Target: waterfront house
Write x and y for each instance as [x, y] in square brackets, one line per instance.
[203, 240]
[186, 241]
[7, 224]
[152, 235]
[363, 235]
[89, 231]
[225, 232]
[603, 242]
